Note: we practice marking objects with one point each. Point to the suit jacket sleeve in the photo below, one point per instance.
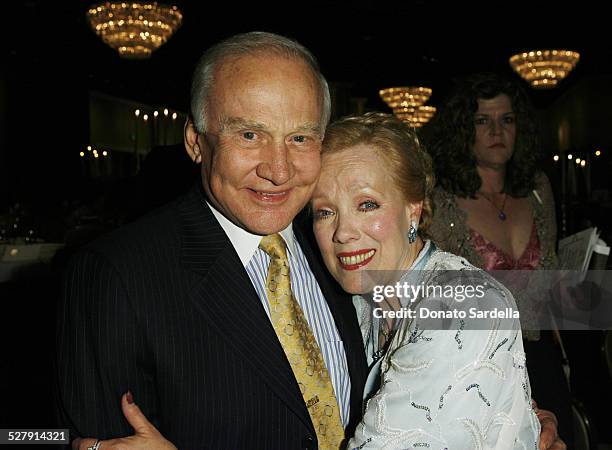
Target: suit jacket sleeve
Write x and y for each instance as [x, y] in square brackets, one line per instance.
[102, 351]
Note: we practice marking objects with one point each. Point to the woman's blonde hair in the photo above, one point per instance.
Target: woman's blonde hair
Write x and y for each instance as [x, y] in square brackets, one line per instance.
[408, 165]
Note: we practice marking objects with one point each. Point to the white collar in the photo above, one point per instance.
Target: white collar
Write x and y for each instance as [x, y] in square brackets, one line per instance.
[245, 243]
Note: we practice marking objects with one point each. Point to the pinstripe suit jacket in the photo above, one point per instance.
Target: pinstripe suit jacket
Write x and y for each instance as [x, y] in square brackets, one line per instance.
[163, 307]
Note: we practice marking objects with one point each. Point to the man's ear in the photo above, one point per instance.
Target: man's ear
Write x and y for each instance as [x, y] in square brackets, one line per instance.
[192, 139]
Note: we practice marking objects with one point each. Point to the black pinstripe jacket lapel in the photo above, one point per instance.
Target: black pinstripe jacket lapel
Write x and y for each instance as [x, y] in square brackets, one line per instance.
[229, 304]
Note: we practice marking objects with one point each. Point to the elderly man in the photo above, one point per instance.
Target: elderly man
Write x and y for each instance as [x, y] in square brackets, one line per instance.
[179, 307]
[192, 308]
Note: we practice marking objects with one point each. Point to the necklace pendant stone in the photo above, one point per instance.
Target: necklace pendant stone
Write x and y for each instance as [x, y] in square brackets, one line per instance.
[502, 216]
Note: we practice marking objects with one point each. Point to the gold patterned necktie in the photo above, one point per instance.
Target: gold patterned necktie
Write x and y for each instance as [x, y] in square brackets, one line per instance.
[301, 347]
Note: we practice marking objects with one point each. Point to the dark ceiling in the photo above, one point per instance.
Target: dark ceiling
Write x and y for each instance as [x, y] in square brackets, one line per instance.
[51, 60]
[365, 45]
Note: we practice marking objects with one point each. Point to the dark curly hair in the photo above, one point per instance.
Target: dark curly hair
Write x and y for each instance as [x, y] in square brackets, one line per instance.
[450, 137]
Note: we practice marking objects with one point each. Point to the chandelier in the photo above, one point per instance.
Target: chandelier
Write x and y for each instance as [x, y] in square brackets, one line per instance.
[407, 97]
[544, 68]
[407, 104]
[416, 117]
[134, 29]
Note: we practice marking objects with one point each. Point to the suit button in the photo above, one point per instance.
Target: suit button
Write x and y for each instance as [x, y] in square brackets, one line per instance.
[308, 443]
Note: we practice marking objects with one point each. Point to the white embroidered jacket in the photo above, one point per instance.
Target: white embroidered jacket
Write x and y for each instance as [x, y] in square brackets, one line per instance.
[445, 384]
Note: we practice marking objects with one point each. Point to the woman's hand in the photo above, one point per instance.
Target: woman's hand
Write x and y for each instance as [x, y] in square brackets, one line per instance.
[145, 436]
[549, 438]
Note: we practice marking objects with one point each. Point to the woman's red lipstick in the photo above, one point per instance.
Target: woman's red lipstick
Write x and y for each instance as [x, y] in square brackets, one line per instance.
[347, 262]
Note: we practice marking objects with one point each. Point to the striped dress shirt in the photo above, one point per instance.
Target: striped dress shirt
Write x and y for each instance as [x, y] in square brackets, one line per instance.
[307, 293]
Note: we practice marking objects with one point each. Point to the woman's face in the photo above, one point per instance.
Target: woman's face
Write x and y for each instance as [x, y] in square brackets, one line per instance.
[361, 219]
[495, 130]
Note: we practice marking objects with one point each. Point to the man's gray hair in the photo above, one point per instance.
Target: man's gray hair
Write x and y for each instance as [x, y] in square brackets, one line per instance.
[245, 44]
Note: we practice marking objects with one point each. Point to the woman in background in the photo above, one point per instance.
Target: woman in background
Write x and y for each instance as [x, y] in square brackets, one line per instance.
[493, 207]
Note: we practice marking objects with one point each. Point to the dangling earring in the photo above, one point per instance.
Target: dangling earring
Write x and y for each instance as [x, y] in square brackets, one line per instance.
[412, 232]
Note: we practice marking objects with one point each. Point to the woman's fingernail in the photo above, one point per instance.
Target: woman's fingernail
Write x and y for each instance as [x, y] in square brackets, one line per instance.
[129, 397]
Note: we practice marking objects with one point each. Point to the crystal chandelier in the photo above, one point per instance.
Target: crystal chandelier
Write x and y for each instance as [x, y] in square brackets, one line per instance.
[407, 104]
[134, 29]
[406, 97]
[416, 117]
[544, 68]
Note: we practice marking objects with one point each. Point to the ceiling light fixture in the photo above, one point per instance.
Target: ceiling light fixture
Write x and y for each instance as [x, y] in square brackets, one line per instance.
[543, 69]
[134, 29]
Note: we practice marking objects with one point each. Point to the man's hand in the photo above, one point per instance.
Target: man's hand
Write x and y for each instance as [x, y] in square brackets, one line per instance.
[146, 436]
[549, 439]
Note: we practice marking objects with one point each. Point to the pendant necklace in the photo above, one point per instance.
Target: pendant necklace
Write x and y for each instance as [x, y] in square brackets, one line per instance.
[501, 214]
